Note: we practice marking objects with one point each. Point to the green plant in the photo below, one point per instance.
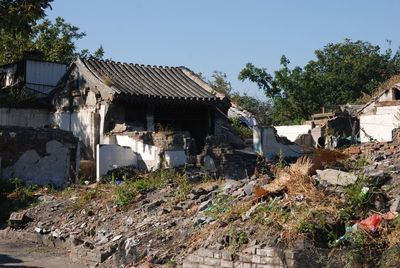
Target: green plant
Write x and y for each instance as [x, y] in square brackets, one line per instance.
[281, 163]
[305, 227]
[219, 205]
[353, 258]
[171, 263]
[123, 194]
[237, 238]
[359, 195]
[242, 130]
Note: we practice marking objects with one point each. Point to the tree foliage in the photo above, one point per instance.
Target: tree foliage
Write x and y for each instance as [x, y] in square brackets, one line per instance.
[19, 16]
[260, 109]
[220, 83]
[24, 27]
[341, 73]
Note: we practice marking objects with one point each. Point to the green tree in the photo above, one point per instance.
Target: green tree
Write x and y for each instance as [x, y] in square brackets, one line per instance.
[19, 16]
[220, 83]
[341, 73]
[24, 27]
[260, 109]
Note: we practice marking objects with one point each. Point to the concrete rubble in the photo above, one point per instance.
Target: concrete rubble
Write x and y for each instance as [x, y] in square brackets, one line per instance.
[230, 218]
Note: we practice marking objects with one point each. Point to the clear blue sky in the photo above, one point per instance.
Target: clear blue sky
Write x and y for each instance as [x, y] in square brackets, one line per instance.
[208, 35]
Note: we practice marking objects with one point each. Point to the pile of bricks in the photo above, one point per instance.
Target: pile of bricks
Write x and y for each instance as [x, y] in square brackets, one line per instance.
[252, 257]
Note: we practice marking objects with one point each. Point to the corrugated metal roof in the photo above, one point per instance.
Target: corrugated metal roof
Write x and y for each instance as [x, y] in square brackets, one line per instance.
[151, 81]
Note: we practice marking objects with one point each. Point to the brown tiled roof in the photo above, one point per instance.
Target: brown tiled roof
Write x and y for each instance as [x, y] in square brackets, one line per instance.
[151, 81]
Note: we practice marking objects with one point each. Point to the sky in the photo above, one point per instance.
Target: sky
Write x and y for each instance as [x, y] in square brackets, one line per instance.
[224, 35]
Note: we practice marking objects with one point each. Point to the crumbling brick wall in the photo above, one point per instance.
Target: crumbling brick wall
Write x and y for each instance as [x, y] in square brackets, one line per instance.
[38, 155]
[255, 256]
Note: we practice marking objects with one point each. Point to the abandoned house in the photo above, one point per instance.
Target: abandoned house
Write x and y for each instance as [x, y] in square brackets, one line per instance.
[381, 115]
[159, 113]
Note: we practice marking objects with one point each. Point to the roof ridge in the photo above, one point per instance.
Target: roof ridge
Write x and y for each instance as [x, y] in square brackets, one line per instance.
[137, 64]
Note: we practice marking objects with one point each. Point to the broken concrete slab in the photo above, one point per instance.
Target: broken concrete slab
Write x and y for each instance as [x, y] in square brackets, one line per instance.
[336, 177]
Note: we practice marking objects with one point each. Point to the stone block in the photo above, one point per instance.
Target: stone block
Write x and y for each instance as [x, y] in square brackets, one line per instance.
[268, 251]
[267, 260]
[205, 266]
[227, 264]
[212, 261]
[217, 255]
[204, 252]
[242, 265]
[245, 257]
[250, 250]
[187, 264]
[194, 258]
[226, 255]
[256, 259]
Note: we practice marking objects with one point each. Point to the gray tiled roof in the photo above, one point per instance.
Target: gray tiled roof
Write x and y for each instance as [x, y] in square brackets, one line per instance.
[151, 81]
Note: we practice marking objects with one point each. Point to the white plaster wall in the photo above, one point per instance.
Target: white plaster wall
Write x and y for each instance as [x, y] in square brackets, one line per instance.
[271, 147]
[175, 158]
[388, 110]
[111, 156]
[292, 132]
[379, 126]
[80, 123]
[24, 117]
[149, 154]
[387, 96]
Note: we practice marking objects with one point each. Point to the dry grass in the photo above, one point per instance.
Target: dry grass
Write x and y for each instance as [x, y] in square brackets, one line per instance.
[393, 237]
[298, 212]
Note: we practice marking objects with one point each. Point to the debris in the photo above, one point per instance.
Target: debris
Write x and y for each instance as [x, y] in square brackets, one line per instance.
[336, 177]
[17, 219]
[371, 223]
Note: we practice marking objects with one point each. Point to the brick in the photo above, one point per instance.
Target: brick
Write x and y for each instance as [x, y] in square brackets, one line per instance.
[250, 250]
[228, 264]
[267, 260]
[256, 259]
[189, 265]
[212, 261]
[245, 257]
[203, 252]
[226, 255]
[194, 258]
[217, 255]
[205, 266]
[269, 252]
[244, 265]
[354, 150]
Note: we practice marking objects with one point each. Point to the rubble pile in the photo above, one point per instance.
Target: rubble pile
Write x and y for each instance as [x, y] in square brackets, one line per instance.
[344, 206]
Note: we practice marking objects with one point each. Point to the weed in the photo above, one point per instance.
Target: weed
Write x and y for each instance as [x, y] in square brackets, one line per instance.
[305, 227]
[359, 196]
[353, 258]
[14, 195]
[237, 238]
[123, 194]
[220, 205]
[355, 164]
[184, 186]
[171, 263]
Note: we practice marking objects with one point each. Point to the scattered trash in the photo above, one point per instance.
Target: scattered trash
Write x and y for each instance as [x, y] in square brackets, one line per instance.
[371, 223]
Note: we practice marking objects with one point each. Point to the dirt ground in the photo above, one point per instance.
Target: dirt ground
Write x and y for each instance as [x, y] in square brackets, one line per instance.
[20, 254]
